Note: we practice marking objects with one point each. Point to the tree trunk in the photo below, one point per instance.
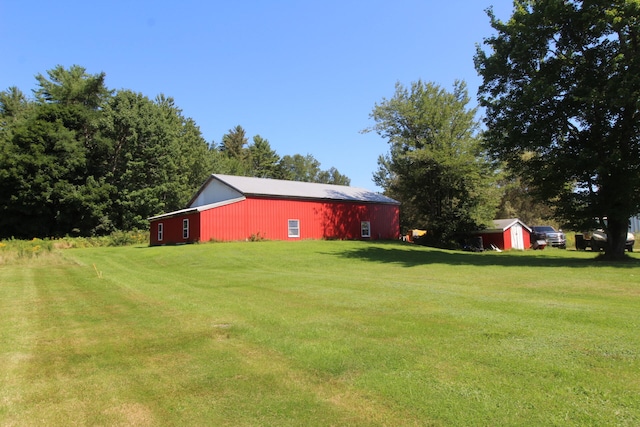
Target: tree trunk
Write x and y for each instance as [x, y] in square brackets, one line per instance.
[616, 238]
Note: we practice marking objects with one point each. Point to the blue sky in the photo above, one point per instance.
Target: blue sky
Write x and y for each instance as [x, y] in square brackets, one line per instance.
[303, 74]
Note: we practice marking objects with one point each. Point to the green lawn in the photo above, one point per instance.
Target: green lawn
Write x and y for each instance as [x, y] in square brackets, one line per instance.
[318, 333]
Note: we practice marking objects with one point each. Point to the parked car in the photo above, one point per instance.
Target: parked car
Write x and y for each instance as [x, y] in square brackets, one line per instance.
[553, 237]
[597, 240]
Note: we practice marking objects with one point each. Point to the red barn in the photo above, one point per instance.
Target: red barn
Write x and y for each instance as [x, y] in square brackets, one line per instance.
[506, 234]
[229, 208]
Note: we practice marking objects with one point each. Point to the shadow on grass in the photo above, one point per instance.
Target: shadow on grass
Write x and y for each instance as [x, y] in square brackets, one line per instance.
[410, 255]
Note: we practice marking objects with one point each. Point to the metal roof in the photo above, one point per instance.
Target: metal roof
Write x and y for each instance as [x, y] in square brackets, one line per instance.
[251, 186]
[196, 208]
[505, 224]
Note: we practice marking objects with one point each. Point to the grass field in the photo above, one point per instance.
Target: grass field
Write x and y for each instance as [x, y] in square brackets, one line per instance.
[318, 333]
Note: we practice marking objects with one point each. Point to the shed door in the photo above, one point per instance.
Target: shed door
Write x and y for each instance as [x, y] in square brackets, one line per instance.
[517, 240]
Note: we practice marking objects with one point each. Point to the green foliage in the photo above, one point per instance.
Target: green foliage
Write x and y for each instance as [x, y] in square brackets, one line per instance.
[260, 160]
[518, 201]
[234, 142]
[257, 237]
[83, 160]
[158, 160]
[263, 160]
[16, 250]
[307, 169]
[72, 86]
[435, 166]
[562, 95]
[13, 250]
[44, 185]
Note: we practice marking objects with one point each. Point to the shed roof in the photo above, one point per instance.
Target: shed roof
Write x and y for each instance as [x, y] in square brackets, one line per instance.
[196, 209]
[251, 186]
[500, 225]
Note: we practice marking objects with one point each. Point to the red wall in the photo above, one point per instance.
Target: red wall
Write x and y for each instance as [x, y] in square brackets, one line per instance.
[172, 229]
[269, 218]
[497, 239]
[503, 240]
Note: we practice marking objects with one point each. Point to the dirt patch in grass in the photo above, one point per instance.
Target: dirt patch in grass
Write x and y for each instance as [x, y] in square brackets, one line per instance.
[131, 414]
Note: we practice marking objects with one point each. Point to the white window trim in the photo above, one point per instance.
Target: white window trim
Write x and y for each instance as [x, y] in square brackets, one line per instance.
[368, 228]
[297, 227]
[160, 231]
[185, 228]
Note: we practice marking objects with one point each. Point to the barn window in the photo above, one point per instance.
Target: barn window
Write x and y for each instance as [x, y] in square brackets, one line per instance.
[365, 228]
[294, 228]
[160, 231]
[185, 228]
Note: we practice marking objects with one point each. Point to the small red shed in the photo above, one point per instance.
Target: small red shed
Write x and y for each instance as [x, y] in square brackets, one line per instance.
[227, 208]
[507, 234]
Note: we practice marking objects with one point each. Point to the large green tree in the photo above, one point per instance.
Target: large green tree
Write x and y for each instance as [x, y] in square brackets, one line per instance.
[262, 159]
[81, 159]
[307, 169]
[434, 166]
[561, 89]
[157, 159]
[518, 202]
[48, 182]
[332, 176]
[234, 146]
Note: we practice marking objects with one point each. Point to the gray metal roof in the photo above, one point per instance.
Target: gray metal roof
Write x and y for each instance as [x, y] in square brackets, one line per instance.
[250, 186]
[196, 208]
[504, 224]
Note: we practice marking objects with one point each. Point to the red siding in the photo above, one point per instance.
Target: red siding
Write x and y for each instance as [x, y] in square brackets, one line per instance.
[172, 229]
[269, 218]
[506, 238]
[503, 240]
[496, 239]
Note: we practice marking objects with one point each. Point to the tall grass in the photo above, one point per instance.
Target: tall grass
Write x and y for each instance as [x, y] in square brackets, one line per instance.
[12, 250]
[319, 333]
[15, 250]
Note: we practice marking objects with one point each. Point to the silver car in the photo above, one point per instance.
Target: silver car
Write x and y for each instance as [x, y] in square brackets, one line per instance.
[549, 234]
[599, 241]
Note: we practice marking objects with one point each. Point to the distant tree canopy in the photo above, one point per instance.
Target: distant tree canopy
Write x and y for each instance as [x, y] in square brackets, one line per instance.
[260, 160]
[81, 159]
[435, 166]
[561, 89]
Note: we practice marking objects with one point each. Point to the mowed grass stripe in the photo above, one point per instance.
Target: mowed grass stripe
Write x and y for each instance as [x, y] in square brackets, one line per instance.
[17, 297]
[108, 353]
[325, 333]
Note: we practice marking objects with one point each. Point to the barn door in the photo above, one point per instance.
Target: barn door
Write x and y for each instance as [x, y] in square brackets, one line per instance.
[517, 240]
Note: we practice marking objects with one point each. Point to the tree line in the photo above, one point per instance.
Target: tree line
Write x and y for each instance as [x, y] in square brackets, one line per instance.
[80, 159]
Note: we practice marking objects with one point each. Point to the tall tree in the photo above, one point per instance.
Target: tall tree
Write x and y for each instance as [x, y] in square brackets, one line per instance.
[307, 169]
[234, 142]
[79, 98]
[234, 147]
[434, 166]
[332, 176]
[518, 202]
[561, 88]
[263, 160]
[299, 168]
[48, 186]
[157, 160]
[13, 103]
[73, 86]
[44, 189]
